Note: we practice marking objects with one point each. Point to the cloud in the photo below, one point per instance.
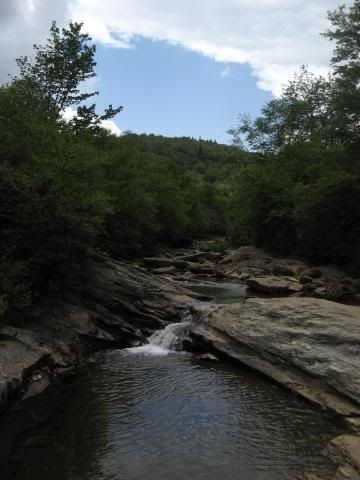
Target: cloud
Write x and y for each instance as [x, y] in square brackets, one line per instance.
[226, 72]
[69, 113]
[23, 23]
[112, 127]
[274, 37]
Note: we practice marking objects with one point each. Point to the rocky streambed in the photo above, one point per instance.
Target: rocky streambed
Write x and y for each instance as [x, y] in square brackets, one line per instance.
[288, 327]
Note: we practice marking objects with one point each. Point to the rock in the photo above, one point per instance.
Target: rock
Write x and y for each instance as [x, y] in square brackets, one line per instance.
[347, 472]
[202, 269]
[282, 269]
[312, 272]
[320, 292]
[244, 276]
[208, 357]
[309, 345]
[274, 285]
[200, 256]
[356, 284]
[348, 447]
[304, 279]
[184, 265]
[116, 305]
[353, 424]
[248, 260]
[164, 271]
[158, 262]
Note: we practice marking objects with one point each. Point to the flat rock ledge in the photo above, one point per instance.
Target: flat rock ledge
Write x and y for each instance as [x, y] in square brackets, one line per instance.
[310, 346]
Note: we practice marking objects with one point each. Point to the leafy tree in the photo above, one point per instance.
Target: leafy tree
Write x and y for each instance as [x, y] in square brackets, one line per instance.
[59, 71]
[346, 61]
[303, 113]
[300, 192]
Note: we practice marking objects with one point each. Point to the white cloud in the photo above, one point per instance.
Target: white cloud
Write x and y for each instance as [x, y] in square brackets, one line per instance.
[23, 23]
[69, 113]
[226, 72]
[274, 37]
[112, 127]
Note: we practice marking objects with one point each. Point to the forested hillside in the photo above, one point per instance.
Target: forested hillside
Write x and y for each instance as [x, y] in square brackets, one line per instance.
[289, 184]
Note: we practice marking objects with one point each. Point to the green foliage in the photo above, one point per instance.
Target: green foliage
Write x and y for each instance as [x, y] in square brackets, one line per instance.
[57, 75]
[328, 220]
[60, 67]
[303, 113]
[301, 194]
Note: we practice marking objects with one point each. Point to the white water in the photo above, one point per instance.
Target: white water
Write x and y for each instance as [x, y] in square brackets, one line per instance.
[165, 341]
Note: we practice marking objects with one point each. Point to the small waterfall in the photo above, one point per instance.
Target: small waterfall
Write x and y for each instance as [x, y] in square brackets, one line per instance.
[165, 341]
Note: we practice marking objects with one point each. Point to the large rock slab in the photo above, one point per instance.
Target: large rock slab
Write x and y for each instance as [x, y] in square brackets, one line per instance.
[309, 345]
[274, 285]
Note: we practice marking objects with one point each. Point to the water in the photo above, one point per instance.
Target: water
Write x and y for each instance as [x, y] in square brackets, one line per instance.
[156, 413]
[170, 339]
[220, 291]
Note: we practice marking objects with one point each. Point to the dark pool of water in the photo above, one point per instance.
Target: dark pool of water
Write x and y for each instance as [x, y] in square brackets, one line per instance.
[162, 417]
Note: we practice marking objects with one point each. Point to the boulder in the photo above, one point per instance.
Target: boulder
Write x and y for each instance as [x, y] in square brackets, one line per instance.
[309, 345]
[274, 285]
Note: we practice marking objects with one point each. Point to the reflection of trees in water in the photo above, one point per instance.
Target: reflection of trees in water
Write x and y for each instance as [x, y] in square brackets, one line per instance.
[69, 446]
[133, 415]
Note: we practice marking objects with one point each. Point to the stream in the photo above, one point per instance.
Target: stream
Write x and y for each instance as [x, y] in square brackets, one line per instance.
[154, 412]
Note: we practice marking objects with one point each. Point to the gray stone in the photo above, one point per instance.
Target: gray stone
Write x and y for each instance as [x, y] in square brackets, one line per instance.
[348, 447]
[274, 285]
[164, 271]
[309, 345]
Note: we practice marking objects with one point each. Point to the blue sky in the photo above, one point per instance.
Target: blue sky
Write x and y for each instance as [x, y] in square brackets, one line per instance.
[181, 67]
[166, 89]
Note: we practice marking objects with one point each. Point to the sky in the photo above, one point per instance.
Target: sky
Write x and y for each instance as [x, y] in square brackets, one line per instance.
[180, 67]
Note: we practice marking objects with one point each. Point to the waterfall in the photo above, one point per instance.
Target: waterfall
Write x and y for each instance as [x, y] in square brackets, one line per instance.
[165, 341]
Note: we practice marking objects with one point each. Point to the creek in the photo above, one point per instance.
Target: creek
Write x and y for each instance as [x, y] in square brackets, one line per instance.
[154, 412]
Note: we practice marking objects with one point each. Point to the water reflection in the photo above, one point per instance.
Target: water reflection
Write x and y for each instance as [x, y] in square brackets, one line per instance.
[140, 417]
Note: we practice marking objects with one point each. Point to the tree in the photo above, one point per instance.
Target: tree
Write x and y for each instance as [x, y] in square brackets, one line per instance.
[346, 62]
[303, 113]
[58, 72]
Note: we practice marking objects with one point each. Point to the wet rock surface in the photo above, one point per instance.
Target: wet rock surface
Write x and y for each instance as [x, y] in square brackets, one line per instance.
[116, 305]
